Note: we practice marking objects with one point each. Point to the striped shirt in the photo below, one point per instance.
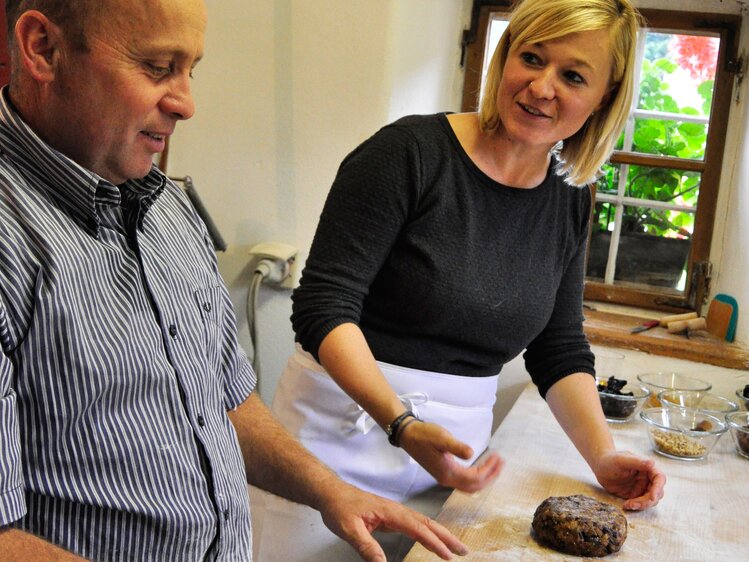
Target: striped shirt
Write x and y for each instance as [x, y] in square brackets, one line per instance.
[119, 362]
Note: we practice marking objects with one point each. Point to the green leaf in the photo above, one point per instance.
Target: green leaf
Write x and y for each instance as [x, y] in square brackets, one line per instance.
[666, 65]
[691, 129]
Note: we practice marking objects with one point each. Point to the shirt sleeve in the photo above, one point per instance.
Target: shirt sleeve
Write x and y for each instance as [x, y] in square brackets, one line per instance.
[562, 348]
[239, 377]
[376, 187]
[12, 500]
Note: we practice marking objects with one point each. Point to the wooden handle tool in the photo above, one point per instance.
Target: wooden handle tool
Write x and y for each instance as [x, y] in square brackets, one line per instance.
[666, 320]
[687, 326]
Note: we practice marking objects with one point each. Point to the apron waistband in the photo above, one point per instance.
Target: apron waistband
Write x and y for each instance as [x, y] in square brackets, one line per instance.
[415, 387]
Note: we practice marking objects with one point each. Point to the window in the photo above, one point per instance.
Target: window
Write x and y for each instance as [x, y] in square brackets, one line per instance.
[655, 203]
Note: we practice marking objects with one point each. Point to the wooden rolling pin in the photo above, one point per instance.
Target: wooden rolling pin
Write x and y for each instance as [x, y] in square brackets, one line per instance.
[690, 325]
[666, 320]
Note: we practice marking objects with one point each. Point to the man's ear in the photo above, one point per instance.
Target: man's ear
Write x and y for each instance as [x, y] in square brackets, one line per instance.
[38, 41]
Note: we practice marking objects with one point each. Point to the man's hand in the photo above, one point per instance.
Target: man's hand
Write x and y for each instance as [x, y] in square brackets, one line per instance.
[353, 515]
[279, 464]
[434, 448]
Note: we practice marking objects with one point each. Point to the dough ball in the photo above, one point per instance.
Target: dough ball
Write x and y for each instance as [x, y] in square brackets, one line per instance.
[580, 525]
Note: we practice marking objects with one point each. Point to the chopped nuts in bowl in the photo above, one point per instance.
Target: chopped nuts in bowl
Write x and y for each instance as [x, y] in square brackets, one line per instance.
[682, 434]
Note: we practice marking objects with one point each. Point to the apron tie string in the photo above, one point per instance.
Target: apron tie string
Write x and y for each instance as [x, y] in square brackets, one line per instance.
[364, 422]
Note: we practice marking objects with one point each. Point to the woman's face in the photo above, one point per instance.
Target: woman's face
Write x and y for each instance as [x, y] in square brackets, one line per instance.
[548, 90]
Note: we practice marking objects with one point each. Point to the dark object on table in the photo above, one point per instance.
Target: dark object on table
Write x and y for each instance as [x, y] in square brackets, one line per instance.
[580, 525]
[646, 326]
[613, 408]
[614, 386]
[743, 440]
[746, 391]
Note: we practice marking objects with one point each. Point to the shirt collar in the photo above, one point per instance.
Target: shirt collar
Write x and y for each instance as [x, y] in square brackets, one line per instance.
[72, 187]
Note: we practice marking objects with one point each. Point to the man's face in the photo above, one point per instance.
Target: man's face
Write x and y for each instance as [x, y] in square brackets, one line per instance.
[112, 108]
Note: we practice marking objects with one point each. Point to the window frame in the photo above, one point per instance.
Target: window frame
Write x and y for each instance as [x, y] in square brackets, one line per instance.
[727, 27]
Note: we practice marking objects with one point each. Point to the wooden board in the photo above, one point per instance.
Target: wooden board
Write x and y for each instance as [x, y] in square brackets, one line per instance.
[697, 521]
[719, 317]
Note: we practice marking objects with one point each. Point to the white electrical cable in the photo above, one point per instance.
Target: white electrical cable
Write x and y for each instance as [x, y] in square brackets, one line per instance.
[262, 270]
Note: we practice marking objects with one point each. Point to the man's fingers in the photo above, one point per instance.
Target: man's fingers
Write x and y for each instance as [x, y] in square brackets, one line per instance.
[433, 536]
[367, 547]
[452, 542]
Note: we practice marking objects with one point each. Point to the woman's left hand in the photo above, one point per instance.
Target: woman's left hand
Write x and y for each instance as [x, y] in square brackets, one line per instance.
[437, 450]
[633, 478]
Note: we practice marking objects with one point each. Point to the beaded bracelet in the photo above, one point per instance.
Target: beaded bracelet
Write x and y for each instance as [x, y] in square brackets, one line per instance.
[403, 428]
[392, 427]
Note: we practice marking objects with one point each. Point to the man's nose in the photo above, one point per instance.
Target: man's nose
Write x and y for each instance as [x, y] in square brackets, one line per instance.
[178, 102]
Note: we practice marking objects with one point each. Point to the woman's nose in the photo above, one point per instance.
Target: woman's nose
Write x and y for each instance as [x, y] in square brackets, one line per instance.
[542, 86]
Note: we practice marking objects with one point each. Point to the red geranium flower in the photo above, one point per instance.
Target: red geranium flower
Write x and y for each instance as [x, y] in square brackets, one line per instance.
[697, 54]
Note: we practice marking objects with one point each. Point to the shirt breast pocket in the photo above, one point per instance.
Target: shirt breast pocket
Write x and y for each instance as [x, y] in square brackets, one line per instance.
[208, 302]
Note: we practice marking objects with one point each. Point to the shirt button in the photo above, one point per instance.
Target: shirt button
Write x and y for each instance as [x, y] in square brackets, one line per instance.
[207, 306]
[201, 421]
[226, 514]
[173, 331]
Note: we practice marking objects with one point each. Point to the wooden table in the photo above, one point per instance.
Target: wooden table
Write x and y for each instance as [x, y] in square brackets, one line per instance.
[702, 518]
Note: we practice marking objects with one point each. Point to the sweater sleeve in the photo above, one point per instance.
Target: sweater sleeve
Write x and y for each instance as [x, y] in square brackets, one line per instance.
[562, 348]
[375, 189]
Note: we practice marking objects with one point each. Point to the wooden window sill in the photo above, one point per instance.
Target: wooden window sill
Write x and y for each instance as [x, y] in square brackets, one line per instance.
[613, 329]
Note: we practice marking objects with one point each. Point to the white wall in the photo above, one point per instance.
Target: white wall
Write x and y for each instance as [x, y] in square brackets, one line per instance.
[730, 248]
[288, 87]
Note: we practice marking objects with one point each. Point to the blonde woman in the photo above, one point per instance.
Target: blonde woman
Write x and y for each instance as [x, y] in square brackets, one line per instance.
[449, 244]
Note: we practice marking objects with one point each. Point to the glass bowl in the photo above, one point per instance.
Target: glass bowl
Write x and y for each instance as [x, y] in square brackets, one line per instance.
[697, 400]
[665, 380]
[622, 405]
[738, 424]
[682, 434]
[743, 396]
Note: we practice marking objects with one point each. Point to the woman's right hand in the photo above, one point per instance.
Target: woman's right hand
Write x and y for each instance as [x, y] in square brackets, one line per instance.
[435, 449]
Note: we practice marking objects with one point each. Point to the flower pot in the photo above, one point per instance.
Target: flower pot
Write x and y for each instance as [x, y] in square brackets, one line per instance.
[642, 258]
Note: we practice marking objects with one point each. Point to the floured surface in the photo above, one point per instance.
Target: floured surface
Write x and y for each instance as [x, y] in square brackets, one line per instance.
[698, 520]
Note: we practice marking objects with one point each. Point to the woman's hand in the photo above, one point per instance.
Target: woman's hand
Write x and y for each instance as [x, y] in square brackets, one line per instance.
[575, 403]
[435, 449]
[630, 477]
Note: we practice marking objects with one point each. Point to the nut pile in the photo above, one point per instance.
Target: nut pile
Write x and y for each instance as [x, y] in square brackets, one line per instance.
[678, 444]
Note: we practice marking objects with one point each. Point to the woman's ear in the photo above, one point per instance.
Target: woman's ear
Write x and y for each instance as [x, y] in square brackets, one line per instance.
[38, 41]
[607, 97]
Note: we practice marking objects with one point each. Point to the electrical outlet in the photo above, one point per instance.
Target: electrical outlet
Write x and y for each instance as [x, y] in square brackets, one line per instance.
[277, 261]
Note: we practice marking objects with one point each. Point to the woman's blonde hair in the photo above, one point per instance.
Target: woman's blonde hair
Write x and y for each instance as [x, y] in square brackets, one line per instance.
[534, 21]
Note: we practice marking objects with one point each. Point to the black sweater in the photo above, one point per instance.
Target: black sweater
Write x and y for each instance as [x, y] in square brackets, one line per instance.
[443, 268]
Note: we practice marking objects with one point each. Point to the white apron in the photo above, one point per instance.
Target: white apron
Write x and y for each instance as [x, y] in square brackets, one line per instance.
[336, 429]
